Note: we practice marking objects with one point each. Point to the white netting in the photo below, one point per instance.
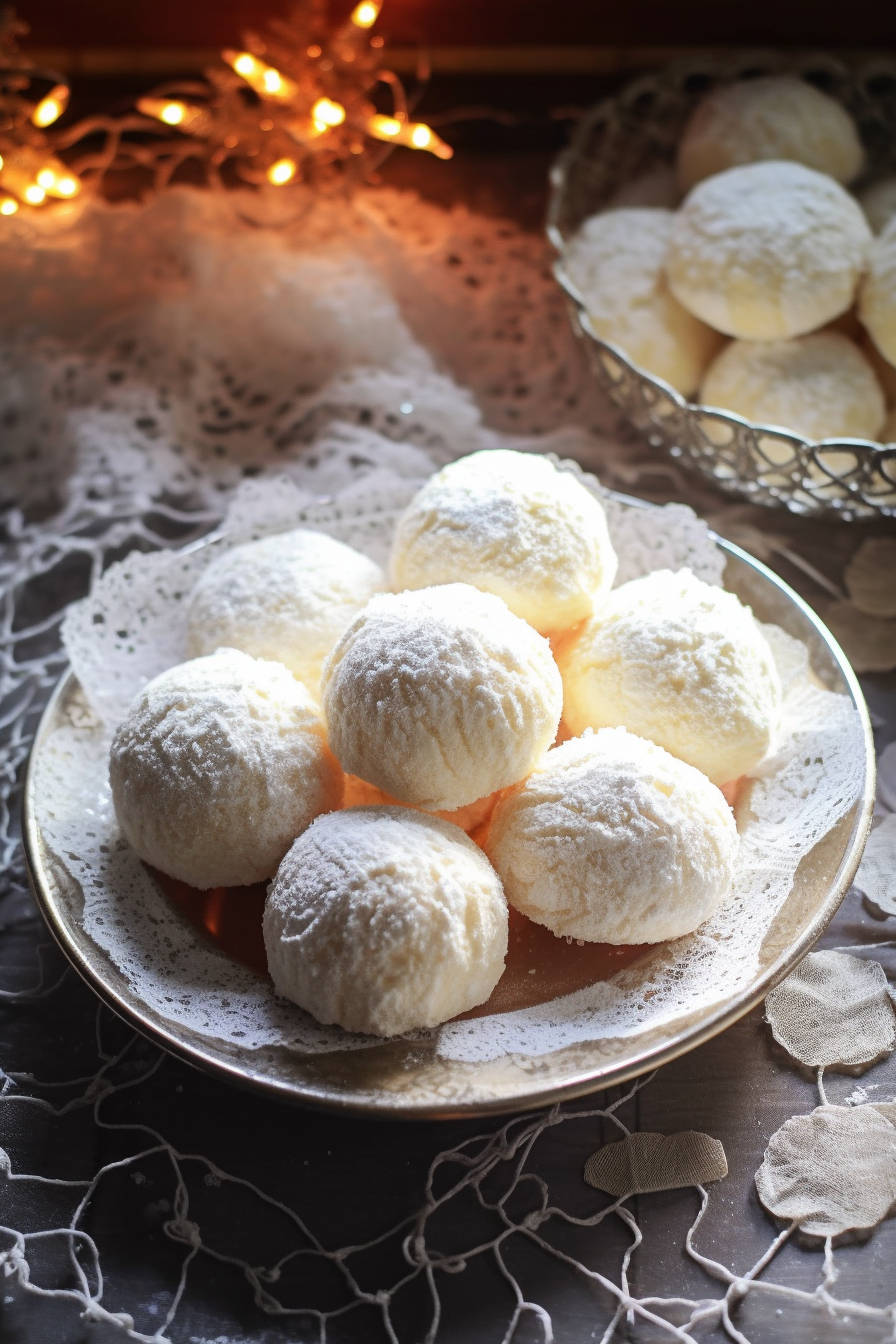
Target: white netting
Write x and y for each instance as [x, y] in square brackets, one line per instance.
[833, 1009]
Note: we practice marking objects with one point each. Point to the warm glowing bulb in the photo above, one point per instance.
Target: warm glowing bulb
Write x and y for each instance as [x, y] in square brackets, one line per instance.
[46, 178]
[1, 160]
[35, 195]
[51, 107]
[8, 206]
[366, 14]
[330, 113]
[413, 133]
[245, 65]
[264, 79]
[384, 126]
[281, 172]
[67, 186]
[171, 111]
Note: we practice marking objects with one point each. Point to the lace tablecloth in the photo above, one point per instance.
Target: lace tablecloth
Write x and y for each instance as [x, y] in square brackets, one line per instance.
[152, 358]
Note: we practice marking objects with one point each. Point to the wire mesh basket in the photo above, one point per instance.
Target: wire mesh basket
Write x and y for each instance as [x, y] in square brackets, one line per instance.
[635, 135]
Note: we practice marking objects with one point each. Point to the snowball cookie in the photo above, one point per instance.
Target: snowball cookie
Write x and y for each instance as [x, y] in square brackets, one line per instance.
[511, 524]
[287, 597]
[768, 251]
[385, 920]
[218, 765]
[616, 262]
[778, 117]
[440, 696]
[820, 386]
[682, 663]
[879, 203]
[614, 840]
[877, 297]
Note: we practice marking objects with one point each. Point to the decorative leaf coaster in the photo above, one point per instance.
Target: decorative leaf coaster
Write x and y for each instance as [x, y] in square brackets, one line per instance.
[642, 1163]
[831, 1171]
[833, 1009]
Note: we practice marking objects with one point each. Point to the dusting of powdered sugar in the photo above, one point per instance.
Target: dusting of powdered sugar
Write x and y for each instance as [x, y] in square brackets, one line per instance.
[434, 899]
[134, 624]
[767, 251]
[422, 679]
[811, 782]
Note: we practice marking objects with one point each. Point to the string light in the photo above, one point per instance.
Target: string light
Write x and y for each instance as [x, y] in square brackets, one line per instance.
[171, 111]
[415, 134]
[365, 14]
[266, 80]
[30, 174]
[51, 108]
[328, 113]
[62, 185]
[281, 172]
[315, 118]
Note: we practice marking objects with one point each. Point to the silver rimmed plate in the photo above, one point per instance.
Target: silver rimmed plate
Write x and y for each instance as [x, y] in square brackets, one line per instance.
[409, 1078]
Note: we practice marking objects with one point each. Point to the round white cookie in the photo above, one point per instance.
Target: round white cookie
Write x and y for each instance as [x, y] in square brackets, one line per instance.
[768, 251]
[216, 768]
[384, 920]
[776, 117]
[440, 696]
[682, 663]
[877, 297]
[287, 597]
[616, 261]
[820, 386]
[613, 840]
[879, 203]
[511, 524]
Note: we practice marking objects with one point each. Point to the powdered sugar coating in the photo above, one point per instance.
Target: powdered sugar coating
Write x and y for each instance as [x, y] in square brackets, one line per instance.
[682, 663]
[509, 523]
[778, 117]
[216, 768]
[617, 263]
[440, 696]
[613, 840]
[877, 298]
[820, 385]
[287, 598]
[767, 251]
[383, 920]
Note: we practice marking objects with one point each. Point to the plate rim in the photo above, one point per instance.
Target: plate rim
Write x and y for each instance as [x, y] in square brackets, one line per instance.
[579, 1083]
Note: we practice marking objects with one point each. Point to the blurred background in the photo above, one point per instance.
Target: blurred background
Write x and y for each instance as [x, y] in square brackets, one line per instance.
[507, 76]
